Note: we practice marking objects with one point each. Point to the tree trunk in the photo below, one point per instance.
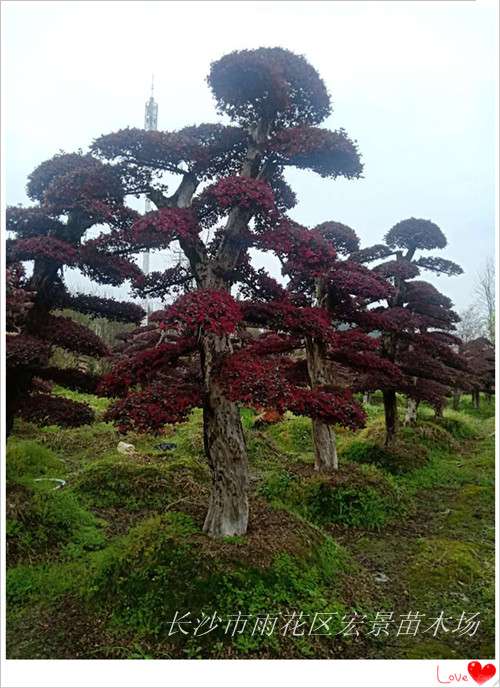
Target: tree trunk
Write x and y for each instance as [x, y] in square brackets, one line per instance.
[391, 416]
[438, 411]
[325, 448]
[456, 401]
[367, 398]
[411, 411]
[9, 423]
[476, 398]
[225, 450]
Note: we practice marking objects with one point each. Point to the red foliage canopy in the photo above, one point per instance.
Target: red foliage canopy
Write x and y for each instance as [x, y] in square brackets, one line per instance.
[415, 233]
[151, 408]
[205, 151]
[206, 310]
[68, 334]
[100, 307]
[329, 153]
[45, 409]
[35, 247]
[342, 237]
[157, 229]
[480, 357]
[253, 195]
[18, 300]
[270, 83]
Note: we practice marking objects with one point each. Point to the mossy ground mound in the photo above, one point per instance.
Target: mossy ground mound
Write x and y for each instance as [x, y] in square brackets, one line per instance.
[74, 446]
[458, 427]
[42, 521]
[409, 450]
[472, 504]
[98, 568]
[165, 569]
[358, 496]
[439, 561]
[132, 484]
[42, 518]
[293, 436]
[27, 460]
[166, 566]
[400, 458]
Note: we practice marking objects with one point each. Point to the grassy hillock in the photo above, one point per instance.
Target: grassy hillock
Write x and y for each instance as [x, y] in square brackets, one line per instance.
[99, 567]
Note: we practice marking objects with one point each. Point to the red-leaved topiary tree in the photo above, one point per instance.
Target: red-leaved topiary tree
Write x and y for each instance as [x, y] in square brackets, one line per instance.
[417, 322]
[332, 350]
[74, 193]
[480, 355]
[206, 354]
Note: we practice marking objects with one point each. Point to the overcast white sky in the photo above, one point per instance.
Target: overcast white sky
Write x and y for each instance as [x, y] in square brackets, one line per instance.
[413, 82]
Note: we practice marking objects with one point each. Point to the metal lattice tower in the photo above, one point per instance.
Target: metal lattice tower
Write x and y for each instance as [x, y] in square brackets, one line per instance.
[150, 124]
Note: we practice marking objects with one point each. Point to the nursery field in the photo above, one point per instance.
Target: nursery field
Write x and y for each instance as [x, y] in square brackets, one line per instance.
[392, 556]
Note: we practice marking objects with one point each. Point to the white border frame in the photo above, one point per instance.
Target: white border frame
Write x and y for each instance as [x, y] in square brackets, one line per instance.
[187, 673]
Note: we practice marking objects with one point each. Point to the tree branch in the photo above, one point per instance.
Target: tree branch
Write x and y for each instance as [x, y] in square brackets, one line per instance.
[230, 248]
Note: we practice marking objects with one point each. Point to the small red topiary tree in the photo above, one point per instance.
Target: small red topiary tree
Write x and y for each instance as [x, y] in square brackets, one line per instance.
[204, 355]
[417, 322]
[74, 193]
[337, 291]
[480, 356]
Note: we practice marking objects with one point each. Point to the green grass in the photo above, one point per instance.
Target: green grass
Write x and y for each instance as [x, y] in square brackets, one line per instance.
[97, 404]
[98, 568]
[28, 460]
[45, 522]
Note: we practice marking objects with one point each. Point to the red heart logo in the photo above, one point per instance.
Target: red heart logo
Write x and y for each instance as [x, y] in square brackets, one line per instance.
[481, 674]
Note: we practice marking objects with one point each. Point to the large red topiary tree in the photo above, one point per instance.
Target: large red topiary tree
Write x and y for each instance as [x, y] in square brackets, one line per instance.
[205, 354]
[74, 193]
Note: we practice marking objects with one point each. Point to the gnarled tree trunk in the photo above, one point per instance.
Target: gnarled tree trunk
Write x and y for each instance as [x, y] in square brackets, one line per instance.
[325, 448]
[225, 450]
[222, 430]
[456, 400]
